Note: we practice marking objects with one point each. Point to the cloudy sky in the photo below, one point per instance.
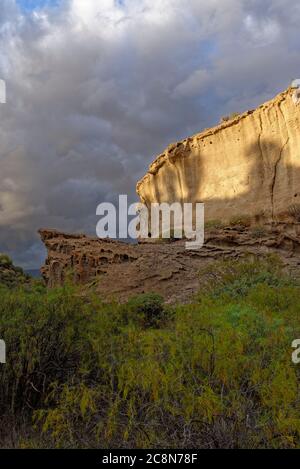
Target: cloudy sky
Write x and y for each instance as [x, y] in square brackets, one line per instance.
[96, 88]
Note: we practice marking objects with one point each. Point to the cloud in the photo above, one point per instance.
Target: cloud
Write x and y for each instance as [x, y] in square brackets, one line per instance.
[262, 31]
[196, 83]
[96, 88]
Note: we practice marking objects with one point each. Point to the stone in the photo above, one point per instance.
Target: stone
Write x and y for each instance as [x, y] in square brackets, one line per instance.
[247, 165]
[119, 270]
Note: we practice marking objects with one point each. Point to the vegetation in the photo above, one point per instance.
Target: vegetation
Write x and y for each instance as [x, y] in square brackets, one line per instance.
[241, 220]
[5, 260]
[10, 275]
[214, 225]
[231, 116]
[258, 231]
[216, 373]
[294, 211]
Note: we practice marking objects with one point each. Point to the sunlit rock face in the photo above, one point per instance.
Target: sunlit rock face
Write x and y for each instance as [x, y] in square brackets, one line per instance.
[248, 165]
[120, 270]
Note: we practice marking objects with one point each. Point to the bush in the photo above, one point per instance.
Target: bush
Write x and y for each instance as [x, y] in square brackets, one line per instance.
[147, 310]
[258, 232]
[44, 335]
[231, 116]
[235, 278]
[5, 261]
[216, 373]
[10, 275]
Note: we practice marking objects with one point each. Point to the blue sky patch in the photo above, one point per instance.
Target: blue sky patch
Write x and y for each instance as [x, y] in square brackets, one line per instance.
[33, 4]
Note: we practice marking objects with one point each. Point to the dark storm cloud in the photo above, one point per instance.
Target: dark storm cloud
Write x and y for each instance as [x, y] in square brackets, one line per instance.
[96, 88]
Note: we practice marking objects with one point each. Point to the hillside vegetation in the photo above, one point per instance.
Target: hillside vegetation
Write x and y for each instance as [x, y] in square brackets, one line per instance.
[10, 275]
[216, 373]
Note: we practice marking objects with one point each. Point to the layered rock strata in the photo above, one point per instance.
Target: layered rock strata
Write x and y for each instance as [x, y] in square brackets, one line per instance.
[119, 270]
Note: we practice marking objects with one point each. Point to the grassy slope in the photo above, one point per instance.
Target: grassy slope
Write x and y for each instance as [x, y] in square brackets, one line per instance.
[215, 373]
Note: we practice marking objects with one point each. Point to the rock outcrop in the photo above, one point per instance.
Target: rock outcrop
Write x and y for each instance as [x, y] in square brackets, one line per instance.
[248, 165]
[119, 270]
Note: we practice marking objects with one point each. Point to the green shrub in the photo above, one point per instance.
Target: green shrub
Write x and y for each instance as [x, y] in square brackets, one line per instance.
[234, 278]
[147, 310]
[216, 373]
[43, 333]
[5, 261]
[258, 232]
[10, 275]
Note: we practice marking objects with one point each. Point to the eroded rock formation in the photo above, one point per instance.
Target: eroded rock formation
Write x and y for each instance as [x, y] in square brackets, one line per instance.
[248, 165]
[119, 270]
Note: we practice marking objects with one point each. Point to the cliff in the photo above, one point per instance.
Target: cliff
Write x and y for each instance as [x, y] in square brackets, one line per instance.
[248, 165]
[246, 171]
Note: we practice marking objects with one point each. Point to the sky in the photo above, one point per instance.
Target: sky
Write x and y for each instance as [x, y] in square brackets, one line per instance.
[33, 4]
[97, 88]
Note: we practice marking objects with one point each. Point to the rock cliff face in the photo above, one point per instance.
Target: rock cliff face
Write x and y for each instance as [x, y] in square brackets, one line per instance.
[248, 165]
[120, 270]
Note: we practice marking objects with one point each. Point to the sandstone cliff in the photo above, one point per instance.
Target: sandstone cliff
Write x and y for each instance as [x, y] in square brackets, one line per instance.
[249, 165]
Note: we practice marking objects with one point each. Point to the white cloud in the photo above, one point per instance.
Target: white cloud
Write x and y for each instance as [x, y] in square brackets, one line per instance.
[263, 31]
